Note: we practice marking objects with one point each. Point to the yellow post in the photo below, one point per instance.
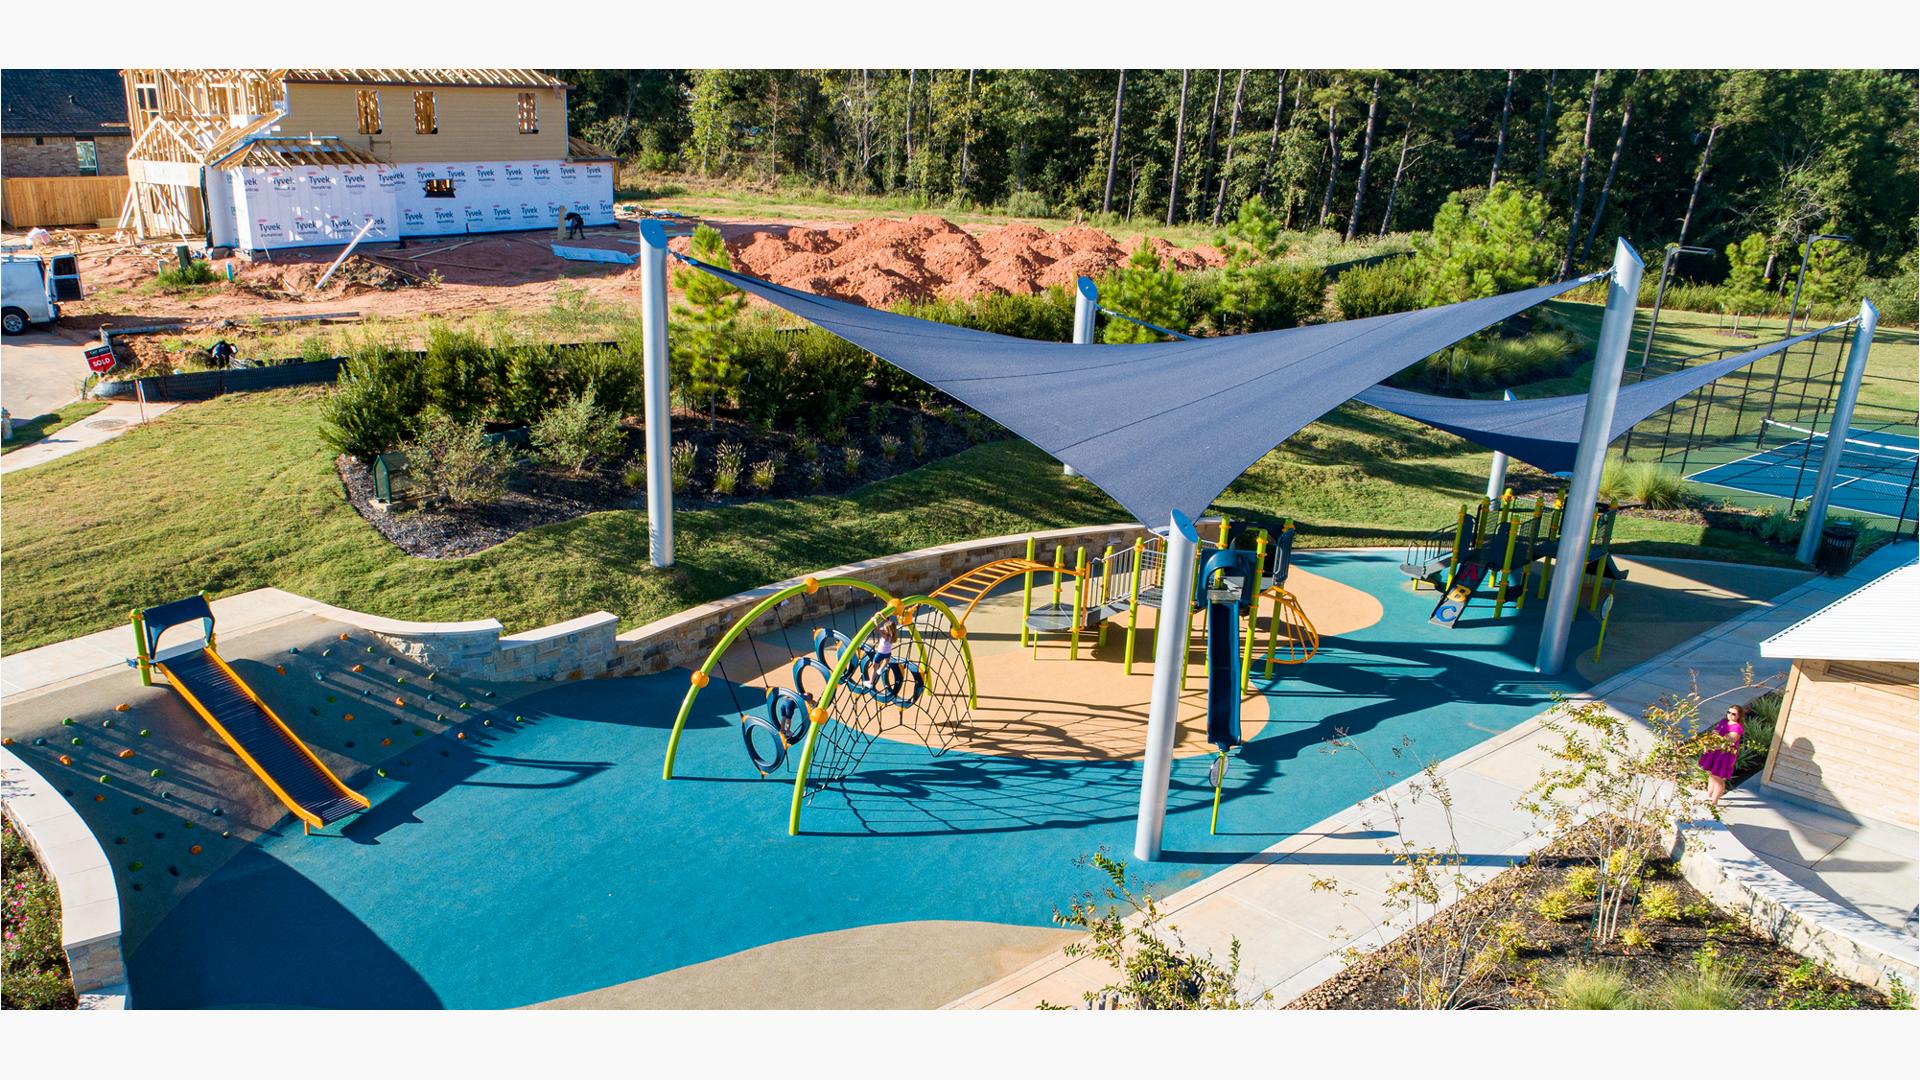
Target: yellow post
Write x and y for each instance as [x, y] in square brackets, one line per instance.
[1223, 530]
[1253, 608]
[1460, 546]
[1026, 595]
[1079, 603]
[1106, 592]
[1133, 601]
[1605, 614]
[140, 644]
[1506, 571]
[1480, 521]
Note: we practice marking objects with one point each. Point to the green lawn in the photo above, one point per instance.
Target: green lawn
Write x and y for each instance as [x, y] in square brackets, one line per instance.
[39, 427]
[238, 493]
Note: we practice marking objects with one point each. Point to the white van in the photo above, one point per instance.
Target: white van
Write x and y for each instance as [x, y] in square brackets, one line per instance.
[29, 294]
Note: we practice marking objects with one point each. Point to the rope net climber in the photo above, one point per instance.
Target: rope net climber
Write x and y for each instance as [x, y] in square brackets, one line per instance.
[920, 694]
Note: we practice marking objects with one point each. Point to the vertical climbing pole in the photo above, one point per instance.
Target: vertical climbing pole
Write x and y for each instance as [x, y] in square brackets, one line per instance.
[1086, 304]
[1133, 600]
[1169, 662]
[145, 661]
[1105, 593]
[1837, 427]
[1080, 577]
[1026, 594]
[653, 359]
[1609, 361]
[1253, 608]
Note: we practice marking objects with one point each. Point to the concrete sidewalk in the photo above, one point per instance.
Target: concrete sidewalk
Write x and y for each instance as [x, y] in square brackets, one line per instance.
[1292, 936]
[108, 423]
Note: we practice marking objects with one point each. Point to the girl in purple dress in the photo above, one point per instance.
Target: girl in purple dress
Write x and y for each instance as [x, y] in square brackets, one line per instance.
[1719, 761]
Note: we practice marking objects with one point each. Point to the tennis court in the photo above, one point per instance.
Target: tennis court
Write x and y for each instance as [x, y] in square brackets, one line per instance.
[1877, 469]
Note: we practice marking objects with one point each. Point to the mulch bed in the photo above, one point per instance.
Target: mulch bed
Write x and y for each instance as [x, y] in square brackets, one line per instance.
[541, 495]
[1375, 981]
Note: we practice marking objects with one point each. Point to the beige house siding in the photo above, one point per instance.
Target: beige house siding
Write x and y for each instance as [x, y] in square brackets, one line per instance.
[476, 123]
[1849, 738]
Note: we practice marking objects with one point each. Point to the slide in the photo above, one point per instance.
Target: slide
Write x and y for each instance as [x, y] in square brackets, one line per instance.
[244, 722]
[1454, 602]
[1223, 675]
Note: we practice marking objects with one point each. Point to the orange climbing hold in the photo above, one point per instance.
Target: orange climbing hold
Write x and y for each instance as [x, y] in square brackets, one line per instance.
[281, 668]
[400, 702]
[459, 734]
[125, 754]
[358, 667]
[65, 760]
[122, 707]
[386, 742]
[348, 718]
[194, 850]
[343, 637]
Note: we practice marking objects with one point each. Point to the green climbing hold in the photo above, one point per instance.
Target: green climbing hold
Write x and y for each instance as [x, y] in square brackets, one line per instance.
[68, 722]
[157, 773]
[135, 866]
[519, 719]
[186, 824]
[417, 732]
[105, 779]
[380, 772]
[224, 834]
[486, 723]
[369, 648]
[398, 679]
[77, 741]
[330, 699]
[463, 704]
[108, 722]
[146, 733]
[430, 676]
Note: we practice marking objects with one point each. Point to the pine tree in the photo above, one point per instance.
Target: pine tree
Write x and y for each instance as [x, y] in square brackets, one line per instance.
[1144, 290]
[704, 346]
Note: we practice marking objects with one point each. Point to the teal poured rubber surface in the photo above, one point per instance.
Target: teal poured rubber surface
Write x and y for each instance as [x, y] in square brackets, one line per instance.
[550, 858]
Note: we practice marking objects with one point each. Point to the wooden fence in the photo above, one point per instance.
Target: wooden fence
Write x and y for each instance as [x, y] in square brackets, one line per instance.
[61, 200]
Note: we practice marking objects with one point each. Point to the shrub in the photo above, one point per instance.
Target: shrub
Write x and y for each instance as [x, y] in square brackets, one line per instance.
[376, 402]
[577, 431]
[876, 418]
[634, 473]
[1777, 525]
[1591, 986]
[890, 446]
[1661, 902]
[704, 340]
[1269, 296]
[527, 387]
[1155, 968]
[316, 347]
[1384, 288]
[1144, 290]
[811, 376]
[1555, 905]
[1491, 363]
[453, 460]
[1810, 986]
[33, 967]
[614, 373]
[1636, 937]
[1027, 203]
[727, 460]
[1486, 242]
[685, 457]
[458, 371]
[917, 436]
[765, 473]
[1763, 715]
[1583, 882]
[178, 278]
[1711, 985]
[853, 461]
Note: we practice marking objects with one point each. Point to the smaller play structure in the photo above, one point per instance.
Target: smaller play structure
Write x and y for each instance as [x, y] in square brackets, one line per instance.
[264, 743]
[1497, 540]
[905, 669]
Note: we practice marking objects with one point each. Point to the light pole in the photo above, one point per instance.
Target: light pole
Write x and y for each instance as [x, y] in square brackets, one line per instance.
[1674, 251]
[1805, 250]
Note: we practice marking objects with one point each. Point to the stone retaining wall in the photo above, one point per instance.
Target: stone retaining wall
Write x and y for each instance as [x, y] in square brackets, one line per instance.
[588, 647]
[89, 902]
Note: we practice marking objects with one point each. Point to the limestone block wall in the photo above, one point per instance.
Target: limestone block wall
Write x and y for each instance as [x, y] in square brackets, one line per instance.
[89, 902]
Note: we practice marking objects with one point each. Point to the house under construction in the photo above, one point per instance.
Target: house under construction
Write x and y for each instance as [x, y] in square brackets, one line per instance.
[258, 159]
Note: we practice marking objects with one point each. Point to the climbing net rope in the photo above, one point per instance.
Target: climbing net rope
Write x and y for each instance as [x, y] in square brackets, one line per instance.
[922, 692]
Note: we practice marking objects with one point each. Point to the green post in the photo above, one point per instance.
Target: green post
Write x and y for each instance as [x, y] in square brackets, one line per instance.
[1461, 543]
[1506, 571]
[140, 645]
[1079, 602]
[1605, 614]
[1133, 600]
[1213, 826]
[1026, 595]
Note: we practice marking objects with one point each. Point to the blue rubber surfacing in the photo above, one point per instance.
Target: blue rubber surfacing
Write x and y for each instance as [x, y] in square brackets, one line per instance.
[549, 858]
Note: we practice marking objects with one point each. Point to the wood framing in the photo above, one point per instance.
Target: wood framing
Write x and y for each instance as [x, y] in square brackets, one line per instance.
[1847, 738]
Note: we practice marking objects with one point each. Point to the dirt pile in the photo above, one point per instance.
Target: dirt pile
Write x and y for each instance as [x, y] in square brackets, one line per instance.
[883, 261]
[297, 281]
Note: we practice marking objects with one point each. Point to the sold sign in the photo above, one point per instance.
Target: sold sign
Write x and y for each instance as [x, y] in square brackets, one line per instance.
[100, 359]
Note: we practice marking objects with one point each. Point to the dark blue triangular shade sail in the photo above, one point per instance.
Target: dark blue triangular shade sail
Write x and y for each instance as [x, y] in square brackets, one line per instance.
[1162, 426]
[1545, 432]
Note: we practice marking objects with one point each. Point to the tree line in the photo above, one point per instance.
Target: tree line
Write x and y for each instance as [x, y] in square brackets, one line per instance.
[1695, 157]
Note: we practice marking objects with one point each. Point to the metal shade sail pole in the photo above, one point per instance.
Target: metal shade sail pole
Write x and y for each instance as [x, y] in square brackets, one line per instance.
[1169, 661]
[1837, 428]
[1576, 527]
[1086, 304]
[653, 355]
[1497, 475]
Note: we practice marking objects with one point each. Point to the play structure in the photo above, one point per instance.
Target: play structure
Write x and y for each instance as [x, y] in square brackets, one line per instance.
[1488, 545]
[264, 743]
[905, 669]
[812, 705]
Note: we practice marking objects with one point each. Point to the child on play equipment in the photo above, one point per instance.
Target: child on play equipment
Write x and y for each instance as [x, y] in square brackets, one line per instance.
[888, 634]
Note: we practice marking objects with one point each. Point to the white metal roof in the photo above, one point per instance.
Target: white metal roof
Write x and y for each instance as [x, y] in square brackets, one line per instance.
[1878, 621]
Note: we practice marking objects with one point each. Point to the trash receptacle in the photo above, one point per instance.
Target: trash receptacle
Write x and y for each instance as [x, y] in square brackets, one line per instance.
[1836, 546]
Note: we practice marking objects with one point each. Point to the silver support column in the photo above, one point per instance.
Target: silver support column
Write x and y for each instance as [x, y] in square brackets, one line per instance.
[1086, 304]
[653, 354]
[1497, 476]
[1576, 526]
[1837, 431]
[1169, 660]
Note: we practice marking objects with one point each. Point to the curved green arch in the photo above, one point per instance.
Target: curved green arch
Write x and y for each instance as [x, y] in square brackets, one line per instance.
[851, 650]
[733, 633]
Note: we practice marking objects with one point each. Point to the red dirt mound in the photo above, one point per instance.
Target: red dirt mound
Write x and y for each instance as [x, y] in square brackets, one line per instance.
[882, 261]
